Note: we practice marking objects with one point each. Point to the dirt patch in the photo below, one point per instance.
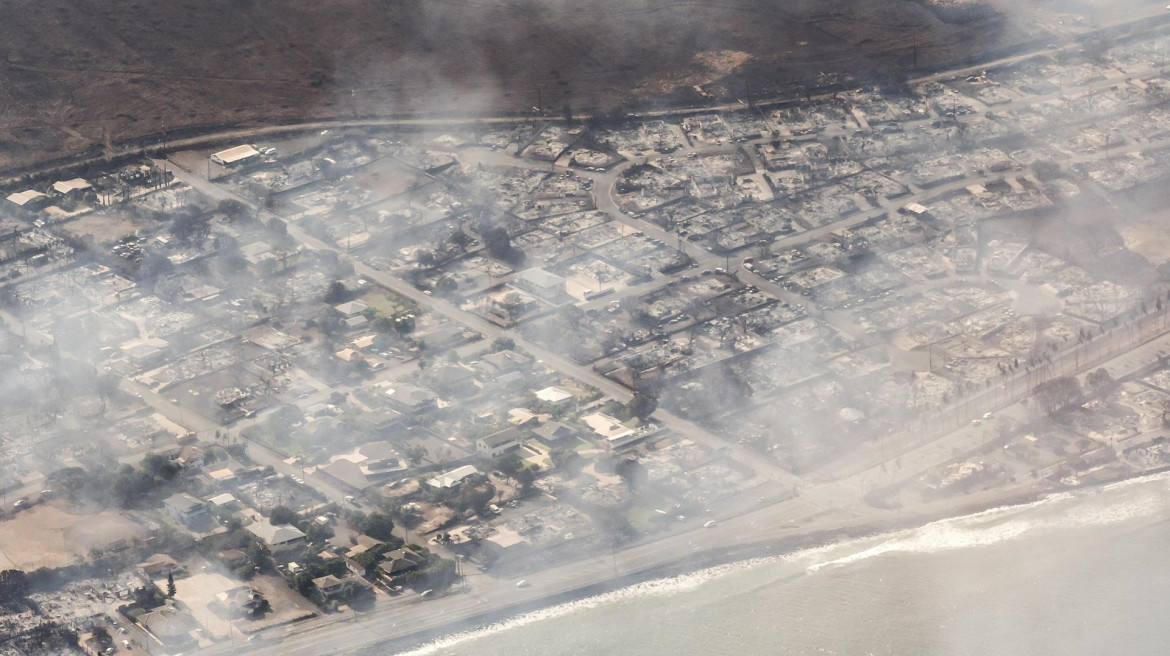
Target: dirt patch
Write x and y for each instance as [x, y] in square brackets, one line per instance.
[1145, 234]
[47, 536]
[106, 226]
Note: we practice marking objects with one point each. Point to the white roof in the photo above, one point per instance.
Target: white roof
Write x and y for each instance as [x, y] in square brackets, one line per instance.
[66, 186]
[222, 499]
[23, 197]
[453, 477]
[351, 308]
[541, 278]
[607, 426]
[236, 154]
[275, 535]
[553, 395]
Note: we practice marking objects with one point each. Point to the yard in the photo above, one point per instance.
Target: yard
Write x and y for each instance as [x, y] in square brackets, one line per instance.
[48, 536]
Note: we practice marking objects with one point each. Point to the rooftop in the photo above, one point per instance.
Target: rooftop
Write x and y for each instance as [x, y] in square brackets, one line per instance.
[275, 535]
[22, 198]
[452, 478]
[239, 153]
[553, 395]
[66, 186]
[541, 278]
[183, 502]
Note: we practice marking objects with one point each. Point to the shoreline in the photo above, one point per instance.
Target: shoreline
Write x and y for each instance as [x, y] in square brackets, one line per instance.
[768, 548]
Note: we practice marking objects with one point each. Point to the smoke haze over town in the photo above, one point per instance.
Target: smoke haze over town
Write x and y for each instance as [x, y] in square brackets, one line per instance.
[461, 326]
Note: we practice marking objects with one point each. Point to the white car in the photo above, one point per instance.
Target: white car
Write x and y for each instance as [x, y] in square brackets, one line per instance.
[709, 524]
[522, 584]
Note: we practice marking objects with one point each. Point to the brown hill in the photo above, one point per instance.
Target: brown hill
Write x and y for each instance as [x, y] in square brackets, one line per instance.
[78, 73]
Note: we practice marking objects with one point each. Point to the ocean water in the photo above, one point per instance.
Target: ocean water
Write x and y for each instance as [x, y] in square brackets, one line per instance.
[1085, 572]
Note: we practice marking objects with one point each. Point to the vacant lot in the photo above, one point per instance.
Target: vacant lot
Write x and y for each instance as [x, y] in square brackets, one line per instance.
[107, 225]
[81, 74]
[47, 536]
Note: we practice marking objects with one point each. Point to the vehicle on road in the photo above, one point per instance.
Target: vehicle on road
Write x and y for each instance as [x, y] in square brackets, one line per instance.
[522, 584]
[710, 523]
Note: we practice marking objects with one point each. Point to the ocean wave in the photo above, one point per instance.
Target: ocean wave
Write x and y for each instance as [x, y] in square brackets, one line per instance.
[1085, 508]
[984, 528]
[647, 589]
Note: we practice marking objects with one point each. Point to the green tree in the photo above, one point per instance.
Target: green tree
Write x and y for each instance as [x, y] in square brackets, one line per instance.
[415, 453]
[509, 463]
[171, 584]
[503, 343]
[474, 495]
[566, 459]
[283, 515]
[641, 406]
[377, 525]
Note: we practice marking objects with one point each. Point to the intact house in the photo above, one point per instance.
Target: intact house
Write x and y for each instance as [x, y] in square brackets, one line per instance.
[329, 586]
[499, 443]
[351, 309]
[397, 564]
[238, 156]
[28, 200]
[159, 564]
[190, 458]
[553, 396]
[554, 431]
[71, 188]
[454, 380]
[502, 362]
[281, 540]
[452, 478]
[366, 465]
[186, 509]
[548, 286]
[405, 397]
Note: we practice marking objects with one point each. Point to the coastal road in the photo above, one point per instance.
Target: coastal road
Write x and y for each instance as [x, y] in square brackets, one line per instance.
[815, 508]
[413, 615]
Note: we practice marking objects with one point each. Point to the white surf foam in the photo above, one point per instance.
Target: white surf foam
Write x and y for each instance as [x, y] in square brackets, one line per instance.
[978, 529]
[648, 589]
[1085, 508]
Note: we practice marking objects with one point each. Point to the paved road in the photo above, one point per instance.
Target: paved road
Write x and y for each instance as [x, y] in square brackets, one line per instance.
[232, 133]
[832, 503]
[489, 331]
[836, 500]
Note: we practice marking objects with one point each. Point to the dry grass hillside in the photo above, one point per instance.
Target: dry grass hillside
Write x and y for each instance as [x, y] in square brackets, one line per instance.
[77, 73]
